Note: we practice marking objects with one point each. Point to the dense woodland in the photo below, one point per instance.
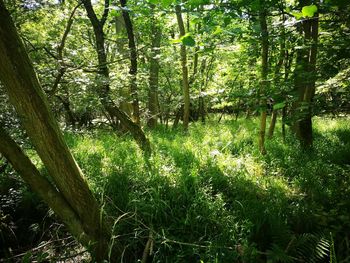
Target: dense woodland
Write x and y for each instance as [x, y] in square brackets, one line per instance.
[175, 131]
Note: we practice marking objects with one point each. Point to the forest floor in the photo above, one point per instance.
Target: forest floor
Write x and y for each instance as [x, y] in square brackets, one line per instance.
[204, 196]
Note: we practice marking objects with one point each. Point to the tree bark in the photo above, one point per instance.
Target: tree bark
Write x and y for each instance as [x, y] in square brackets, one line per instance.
[201, 102]
[26, 94]
[272, 124]
[154, 73]
[284, 116]
[70, 119]
[278, 67]
[264, 71]
[185, 83]
[133, 62]
[39, 184]
[304, 80]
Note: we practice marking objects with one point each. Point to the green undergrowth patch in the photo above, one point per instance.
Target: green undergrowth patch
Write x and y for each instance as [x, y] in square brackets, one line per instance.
[207, 195]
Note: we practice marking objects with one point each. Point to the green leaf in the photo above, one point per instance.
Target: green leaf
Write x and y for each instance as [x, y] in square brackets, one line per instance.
[175, 41]
[114, 13]
[297, 15]
[218, 30]
[309, 10]
[278, 106]
[167, 3]
[196, 3]
[154, 2]
[188, 40]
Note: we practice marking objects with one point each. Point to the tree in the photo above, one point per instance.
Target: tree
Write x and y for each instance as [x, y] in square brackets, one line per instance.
[75, 204]
[103, 77]
[185, 82]
[305, 74]
[264, 72]
[154, 71]
[133, 61]
[277, 75]
[41, 185]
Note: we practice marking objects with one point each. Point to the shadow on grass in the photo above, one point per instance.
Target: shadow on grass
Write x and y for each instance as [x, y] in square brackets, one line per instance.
[221, 212]
[323, 177]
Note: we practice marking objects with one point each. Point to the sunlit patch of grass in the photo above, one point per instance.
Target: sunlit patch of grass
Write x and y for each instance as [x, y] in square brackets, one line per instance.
[328, 124]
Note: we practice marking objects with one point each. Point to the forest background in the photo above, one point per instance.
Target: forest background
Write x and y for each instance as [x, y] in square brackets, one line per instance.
[175, 131]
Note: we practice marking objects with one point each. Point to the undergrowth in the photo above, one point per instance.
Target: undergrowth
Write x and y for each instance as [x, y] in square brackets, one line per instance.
[209, 196]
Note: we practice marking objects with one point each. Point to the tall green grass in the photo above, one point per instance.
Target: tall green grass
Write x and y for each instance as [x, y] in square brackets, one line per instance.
[209, 196]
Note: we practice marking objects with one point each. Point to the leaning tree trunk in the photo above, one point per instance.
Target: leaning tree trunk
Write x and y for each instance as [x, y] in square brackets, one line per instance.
[41, 185]
[272, 124]
[264, 70]
[104, 80]
[133, 62]
[185, 83]
[154, 73]
[304, 80]
[25, 93]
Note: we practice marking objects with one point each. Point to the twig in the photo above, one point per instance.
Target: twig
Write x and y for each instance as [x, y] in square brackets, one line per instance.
[148, 248]
[38, 247]
[71, 256]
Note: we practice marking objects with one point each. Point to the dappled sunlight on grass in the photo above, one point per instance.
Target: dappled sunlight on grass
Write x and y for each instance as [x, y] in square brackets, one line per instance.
[329, 124]
[212, 188]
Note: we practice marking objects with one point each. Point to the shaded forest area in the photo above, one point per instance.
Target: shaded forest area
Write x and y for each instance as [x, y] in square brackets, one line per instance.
[174, 131]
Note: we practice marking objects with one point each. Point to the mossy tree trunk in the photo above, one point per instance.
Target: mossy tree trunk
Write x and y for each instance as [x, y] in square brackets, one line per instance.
[185, 82]
[154, 72]
[41, 185]
[264, 71]
[305, 78]
[272, 124]
[25, 93]
[277, 78]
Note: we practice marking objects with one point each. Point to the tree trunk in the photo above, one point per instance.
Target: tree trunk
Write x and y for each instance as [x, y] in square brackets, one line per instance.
[69, 115]
[201, 101]
[178, 115]
[154, 73]
[103, 78]
[26, 94]
[133, 62]
[278, 67]
[185, 84]
[39, 184]
[287, 68]
[272, 124]
[284, 116]
[264, 70]
[304, 80]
